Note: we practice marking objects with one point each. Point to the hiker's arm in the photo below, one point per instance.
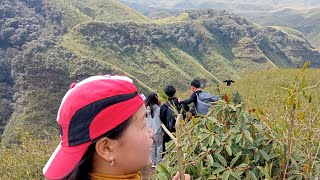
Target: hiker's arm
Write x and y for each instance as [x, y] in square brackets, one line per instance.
[192, 98]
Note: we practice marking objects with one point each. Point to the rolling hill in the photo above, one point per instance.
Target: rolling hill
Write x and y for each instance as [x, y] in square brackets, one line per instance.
[305, 21]
[47, 45]
[240, 5]
[297, 14]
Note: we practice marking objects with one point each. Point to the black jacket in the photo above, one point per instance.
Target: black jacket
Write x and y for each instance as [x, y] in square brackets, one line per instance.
[164, 108]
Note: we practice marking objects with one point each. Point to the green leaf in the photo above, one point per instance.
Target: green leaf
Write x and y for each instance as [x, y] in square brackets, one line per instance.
[219, 149]
[211, 140]
[303, 82]
[263, 170]
[242, 165]
[235, 175]
[226, 175]
[210, 159]
[252, 176]
[218, 170]
[256, 157]
[194, 170]
[295, 164]
[163, 168]
[305, 65]
[291, 100]
[248, 136]
[238, 138]
[299, 177]
[221, 159]
[232, 107]
[264, 155]
[234, 160]
[217, 165]
[162, 96]
[162, 177]
[212, 177]
[217, 141]
[229, 151]
[210, 126]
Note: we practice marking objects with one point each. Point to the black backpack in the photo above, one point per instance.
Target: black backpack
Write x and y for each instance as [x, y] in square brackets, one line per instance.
[171, 119]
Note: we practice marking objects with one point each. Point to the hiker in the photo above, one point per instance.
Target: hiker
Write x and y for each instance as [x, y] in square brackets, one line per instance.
[165, 112]
[154, 122]
[200, 99]
[195, 89]
[103, 132]
[229, 81]
[217, 89]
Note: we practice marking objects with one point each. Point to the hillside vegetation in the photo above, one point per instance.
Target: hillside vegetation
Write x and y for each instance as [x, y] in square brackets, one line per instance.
[76, 11]
[262, 94]
[307, 21]
[298, 14]
[47, 45]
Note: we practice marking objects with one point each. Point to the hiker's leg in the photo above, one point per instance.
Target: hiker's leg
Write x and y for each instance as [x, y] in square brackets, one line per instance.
[159, 148]
[153, 152]
[157, 138]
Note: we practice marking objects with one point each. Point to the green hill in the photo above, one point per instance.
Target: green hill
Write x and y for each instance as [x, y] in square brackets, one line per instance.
[307, 21]
[76, 11]
[48, 45]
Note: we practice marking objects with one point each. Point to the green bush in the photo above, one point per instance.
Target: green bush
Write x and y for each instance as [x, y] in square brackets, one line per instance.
[232, 142]
[229, 144]
[25, 161]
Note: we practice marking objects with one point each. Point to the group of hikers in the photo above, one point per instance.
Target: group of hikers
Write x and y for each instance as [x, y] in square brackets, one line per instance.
[157, 113]
[104, 133]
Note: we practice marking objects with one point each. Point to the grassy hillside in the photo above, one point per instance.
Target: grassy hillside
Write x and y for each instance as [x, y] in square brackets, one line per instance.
[76, 12]
[305, 20]
[261, 91]
[208, 45]
[31, 75]
[180, 47]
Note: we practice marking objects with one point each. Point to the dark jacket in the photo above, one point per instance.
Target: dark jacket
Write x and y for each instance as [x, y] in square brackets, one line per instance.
[164, 108]
[163, 116]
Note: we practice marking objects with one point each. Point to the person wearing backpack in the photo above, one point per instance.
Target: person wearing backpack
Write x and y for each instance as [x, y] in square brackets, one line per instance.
[167, 114]
[154, 123]
[201, 100]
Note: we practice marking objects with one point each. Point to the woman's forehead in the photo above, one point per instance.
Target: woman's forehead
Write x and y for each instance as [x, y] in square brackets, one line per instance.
[141, 112]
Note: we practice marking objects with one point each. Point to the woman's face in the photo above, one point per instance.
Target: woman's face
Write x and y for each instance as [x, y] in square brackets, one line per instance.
[134, 151]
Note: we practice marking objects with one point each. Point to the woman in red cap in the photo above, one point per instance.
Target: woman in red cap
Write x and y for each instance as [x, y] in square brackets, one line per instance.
[103, 132]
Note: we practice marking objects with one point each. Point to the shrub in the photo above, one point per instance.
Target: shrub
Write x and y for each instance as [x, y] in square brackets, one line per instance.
[229, 144]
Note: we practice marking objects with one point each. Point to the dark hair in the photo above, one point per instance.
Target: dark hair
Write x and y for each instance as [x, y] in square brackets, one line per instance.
[170, 90]
[84, 167]
[196, 83]
[151, 100]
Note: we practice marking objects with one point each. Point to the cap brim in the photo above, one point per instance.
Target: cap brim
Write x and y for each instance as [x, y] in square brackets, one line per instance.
[63, 160]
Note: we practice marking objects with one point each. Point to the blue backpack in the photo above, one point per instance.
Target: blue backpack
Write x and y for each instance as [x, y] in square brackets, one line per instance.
[204, 102]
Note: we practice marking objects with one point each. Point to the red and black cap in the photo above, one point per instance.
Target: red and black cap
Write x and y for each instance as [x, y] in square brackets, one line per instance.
[89, 109]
